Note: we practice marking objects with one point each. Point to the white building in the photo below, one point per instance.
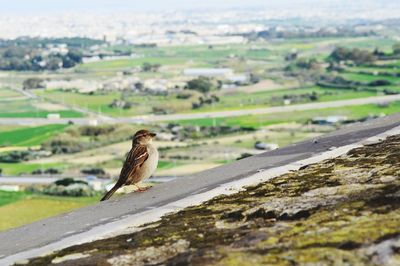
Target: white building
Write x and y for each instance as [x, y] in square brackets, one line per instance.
[208, 72]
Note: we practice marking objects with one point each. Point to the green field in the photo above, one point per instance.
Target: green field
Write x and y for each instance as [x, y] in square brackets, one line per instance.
[128, 63]
[257, 121]
[7, 93]
[369, 78]
[167, 165]
[240, 101]
[19, 208]
[30, 136]
[10, 197]
[26, 109]
[143, 104]
[12, 169]
[373, 69]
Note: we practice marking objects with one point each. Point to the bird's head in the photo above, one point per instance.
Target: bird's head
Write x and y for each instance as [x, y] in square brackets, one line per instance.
[143, 137]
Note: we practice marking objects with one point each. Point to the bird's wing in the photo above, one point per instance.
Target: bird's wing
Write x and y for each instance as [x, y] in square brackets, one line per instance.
[135, 159]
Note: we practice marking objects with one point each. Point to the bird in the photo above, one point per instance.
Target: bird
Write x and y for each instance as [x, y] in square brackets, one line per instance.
[141, 162]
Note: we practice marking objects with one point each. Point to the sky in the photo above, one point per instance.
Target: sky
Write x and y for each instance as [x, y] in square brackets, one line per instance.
[44, 6]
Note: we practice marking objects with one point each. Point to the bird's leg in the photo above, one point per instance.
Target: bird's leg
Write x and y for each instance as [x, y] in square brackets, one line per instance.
[141, 189]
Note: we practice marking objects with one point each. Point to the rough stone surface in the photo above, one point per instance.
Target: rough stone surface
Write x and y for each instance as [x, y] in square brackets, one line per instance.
[343, 211]
[68, 229]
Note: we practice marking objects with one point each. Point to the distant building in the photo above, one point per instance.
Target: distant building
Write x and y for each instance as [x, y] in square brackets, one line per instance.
[93, 122]
[329, 120]
[238, 78]
[265, 146]
[208, 72]
[53, 116]
[9, 188]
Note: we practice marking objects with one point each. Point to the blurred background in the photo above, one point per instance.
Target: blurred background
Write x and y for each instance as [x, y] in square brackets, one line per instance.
[217, 80]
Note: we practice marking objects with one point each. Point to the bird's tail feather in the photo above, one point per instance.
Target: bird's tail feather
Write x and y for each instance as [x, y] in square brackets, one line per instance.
[110, 193]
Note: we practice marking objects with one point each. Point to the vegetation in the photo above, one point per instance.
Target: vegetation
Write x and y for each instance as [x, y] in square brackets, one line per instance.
[358, 56]
[279, 69]
[396, 49]
[28, 59]
[285, 215]
[27, 207]
[148, 67]
[33, 83]
[30, 136]
[202, 84]
[258, 121]
[29, 168]
[10, 197]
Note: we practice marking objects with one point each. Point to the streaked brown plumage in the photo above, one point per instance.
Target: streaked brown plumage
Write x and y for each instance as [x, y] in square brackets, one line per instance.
[140, 162]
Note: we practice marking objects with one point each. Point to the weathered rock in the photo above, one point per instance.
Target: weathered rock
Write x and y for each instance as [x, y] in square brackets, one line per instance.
[343, 211]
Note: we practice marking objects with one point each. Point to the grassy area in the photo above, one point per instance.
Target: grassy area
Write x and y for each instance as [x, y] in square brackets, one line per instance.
[240, 101]
[27, 168]
[41, 114]
[142, 104]
[24, 208]
[30, 136]
[7, 93]
[129, 63]
[162, 165]
[372, 69]
[10, 197]
[368, 78]
[96, 102]
[26, 109]
[257, 121]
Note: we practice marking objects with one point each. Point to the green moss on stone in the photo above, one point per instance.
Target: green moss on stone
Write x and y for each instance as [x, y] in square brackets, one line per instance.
[337, 212]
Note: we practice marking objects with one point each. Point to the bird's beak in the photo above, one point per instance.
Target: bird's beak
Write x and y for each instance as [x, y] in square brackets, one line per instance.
[153, 135]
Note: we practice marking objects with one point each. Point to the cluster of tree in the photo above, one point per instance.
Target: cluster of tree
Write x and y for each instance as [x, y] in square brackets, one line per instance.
[20, 58]
[160, 110]
[94, 131]
[396, 48]
[33, 83]
[205, 101]
[357, 56]
[195, 132]
[16, 156]
[48, 171]
[275, 33]
[99, 172]
[303, 63]
[147, 67]
[295, 98]
[77, 42]
[146, 45]
[187, 32]
[340, 81]
[64, 144]
[120, 104]
[254, 79]
[66, 187]
[76, 139]
[201, 84]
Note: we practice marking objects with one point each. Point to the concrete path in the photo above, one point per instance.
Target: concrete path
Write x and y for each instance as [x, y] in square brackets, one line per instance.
[41, 236]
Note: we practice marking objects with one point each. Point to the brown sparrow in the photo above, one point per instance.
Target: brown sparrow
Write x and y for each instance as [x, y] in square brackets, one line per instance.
[140, 163]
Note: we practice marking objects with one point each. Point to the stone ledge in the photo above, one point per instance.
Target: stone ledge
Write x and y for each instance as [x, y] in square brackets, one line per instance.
[114, 216]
